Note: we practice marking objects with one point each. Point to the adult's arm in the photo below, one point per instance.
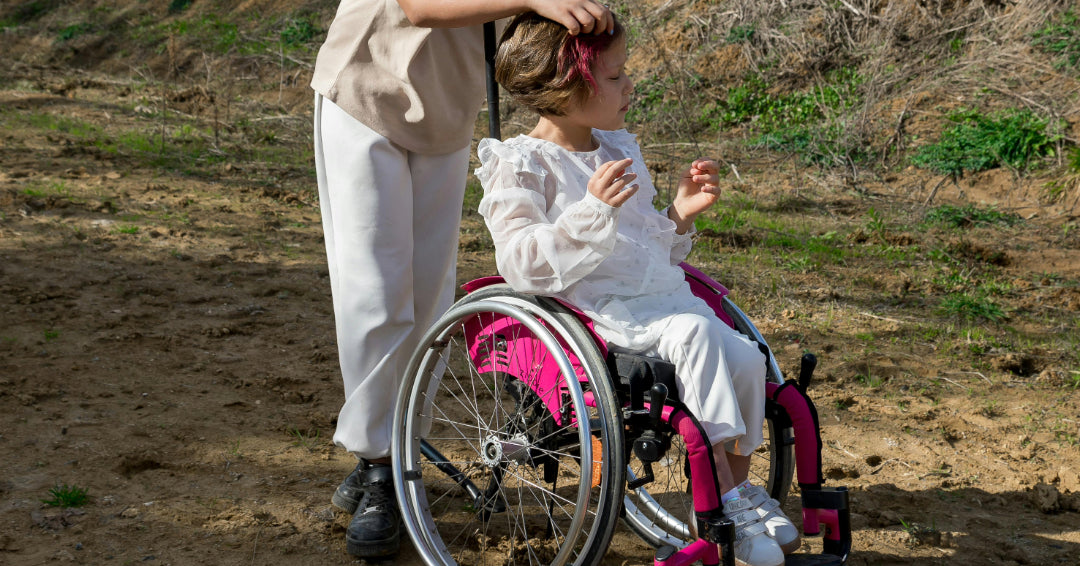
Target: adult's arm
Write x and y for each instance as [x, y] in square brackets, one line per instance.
[578, 16]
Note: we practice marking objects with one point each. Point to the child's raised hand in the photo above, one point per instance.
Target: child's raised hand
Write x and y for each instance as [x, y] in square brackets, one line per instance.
[611, 185]
[698, 190]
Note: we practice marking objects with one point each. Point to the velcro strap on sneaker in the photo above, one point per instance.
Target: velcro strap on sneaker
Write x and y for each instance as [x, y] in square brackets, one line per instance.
[769, 506]
[748, 530]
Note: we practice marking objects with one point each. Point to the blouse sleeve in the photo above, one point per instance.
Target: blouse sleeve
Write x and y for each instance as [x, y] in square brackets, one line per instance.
[681, 243]
[535, 252]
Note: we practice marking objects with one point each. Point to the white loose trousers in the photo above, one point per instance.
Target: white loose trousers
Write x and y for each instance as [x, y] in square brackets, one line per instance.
[719, 374]
[390, 220]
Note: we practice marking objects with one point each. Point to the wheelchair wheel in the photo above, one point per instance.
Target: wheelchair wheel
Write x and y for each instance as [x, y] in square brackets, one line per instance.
[658, 512]
[508, 441]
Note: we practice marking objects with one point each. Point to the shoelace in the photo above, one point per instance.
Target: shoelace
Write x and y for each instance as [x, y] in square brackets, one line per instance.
[378, 497]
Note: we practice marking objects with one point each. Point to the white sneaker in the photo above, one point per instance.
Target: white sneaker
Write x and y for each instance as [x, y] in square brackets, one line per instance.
[779, 526]
[753, 545]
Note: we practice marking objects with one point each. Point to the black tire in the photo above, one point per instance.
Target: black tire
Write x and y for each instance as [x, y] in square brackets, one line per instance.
[488, 470]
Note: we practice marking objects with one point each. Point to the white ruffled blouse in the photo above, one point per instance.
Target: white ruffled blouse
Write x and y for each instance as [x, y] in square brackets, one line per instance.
[552, 237]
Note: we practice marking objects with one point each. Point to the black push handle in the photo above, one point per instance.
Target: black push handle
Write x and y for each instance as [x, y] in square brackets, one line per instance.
[806, 370]
[494, 128]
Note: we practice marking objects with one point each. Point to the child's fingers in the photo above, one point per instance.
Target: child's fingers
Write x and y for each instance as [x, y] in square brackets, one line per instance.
[608, 172]
[620, 184]
[610, 180]
[706, 165]
[624, 195]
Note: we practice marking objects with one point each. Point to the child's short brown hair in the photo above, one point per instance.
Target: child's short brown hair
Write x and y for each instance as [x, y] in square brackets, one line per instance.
[543, 67]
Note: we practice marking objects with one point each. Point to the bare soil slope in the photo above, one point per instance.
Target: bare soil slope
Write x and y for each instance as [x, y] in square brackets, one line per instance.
[167, 343]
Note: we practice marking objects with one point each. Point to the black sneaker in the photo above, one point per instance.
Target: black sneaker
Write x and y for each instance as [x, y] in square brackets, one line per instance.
[348, 494]
[375, 529]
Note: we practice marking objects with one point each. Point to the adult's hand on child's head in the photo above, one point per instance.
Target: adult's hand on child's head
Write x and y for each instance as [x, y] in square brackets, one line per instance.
[579, 16]
[611, 183]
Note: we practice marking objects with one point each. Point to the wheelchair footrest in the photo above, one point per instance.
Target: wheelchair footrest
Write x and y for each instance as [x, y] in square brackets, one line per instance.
[828, 507]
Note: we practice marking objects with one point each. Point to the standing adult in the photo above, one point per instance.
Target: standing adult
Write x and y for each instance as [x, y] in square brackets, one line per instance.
[398, 86]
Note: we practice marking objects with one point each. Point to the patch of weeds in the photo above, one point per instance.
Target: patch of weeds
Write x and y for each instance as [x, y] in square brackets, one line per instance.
[970, 215]
[65, 496]
[298, 32]
[212, 31]
[1061, 187]
[59, 123]
[971, 307]
[875, 224]
[977, 142]
[741, 34]
[722, 223]
[51, 335]
[1061, 37]
[869, 380]
[306, 439]
[800, 264]
[799, 122]
[177, 6]
[990, 409]
[55, 188]
[128, 229]
[822, 144]
[71, 32]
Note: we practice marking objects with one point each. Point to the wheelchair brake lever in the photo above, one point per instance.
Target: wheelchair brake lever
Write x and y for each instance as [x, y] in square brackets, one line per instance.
[650, 447]
[658, 395]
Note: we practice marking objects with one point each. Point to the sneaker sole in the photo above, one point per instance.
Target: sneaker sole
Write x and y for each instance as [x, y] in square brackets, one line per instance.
[791, 546]
[344, 503]
[374, 549]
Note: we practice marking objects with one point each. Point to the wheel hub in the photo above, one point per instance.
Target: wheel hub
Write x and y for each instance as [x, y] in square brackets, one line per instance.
[495, 450]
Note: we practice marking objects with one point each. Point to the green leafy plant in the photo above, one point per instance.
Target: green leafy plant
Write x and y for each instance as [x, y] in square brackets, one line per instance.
[972, 307]
[970, 215]
[298, 31]
[801, 122]
[1061, 37]
[308, 439]
[71, 32]
[177, 6]
[978, 142]
[740, 34]
[67, 496]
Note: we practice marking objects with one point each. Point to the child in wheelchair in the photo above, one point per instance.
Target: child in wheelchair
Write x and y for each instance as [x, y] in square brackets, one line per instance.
[569, 207]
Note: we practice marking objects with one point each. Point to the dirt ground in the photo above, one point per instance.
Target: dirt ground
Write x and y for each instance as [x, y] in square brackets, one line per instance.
[167, 344]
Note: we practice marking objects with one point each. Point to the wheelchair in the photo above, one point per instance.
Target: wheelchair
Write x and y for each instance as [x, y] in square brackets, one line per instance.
[521, 438]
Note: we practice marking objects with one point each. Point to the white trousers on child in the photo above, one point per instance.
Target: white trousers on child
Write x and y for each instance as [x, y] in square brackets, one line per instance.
[390, 219]
[721, 375]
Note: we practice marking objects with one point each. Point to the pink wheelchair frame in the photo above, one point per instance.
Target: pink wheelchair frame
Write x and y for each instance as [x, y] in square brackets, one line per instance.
[825, 511]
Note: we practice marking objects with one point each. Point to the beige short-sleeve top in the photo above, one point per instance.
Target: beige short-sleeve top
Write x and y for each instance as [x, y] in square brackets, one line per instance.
[420, 87]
